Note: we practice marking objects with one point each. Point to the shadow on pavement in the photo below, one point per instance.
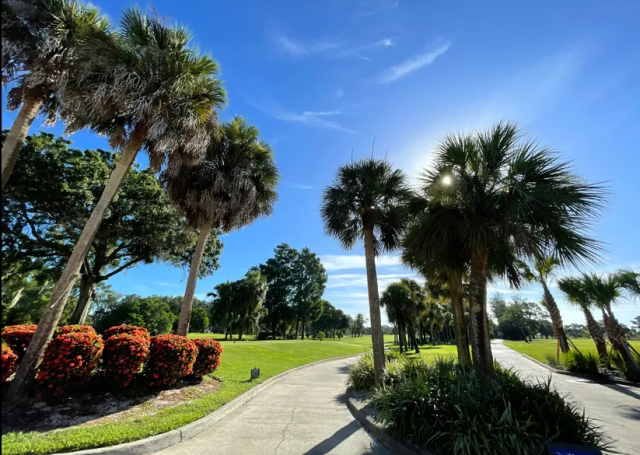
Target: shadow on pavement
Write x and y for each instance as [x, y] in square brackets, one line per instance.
[627, 391]
[335, 439]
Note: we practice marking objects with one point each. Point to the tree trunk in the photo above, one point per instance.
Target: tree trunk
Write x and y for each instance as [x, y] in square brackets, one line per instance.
[297, 327]
[187, 302]
[480, 343]
[619, 342]
[556, 317]
[400, 337]
[374, 306]
[413, 339]
[273, 329]
[52, 312]
[17, 134]
[395, 334]
[84, 300]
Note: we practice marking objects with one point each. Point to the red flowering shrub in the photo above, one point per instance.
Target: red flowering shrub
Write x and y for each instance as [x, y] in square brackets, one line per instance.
[209, 353]
[123, 356]
[9, 362]
[171, 357]
[18, 337]
[68, 363]
[75, 329]
[125, 328]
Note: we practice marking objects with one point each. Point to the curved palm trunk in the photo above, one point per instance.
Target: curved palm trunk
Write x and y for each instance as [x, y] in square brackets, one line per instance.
[52, 312]
[187, 302]
[85, 298]
[459, 323]
[618, 341]
[556, 317]
[17, 133]
[374, 306]
[597, 336]
[480, 342]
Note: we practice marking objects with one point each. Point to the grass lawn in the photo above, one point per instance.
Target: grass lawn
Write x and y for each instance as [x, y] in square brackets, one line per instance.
[540, 349]
[429, 352]
[272, 357]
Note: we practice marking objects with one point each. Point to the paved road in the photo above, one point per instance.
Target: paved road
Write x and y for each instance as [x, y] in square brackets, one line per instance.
[301, 414]
[614, 407]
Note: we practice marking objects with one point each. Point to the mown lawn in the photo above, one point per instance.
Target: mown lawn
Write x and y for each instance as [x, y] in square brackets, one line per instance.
[429, 352]
[540, 349]
[238, 358]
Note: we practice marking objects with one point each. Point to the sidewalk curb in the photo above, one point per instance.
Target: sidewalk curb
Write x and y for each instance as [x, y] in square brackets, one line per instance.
[182, 434]
[378, 431]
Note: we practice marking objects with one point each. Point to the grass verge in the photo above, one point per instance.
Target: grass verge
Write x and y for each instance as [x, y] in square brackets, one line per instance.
[541, 349]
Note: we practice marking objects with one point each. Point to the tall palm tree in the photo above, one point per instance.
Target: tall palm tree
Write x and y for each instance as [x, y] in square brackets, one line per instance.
[232, 187]
[517, 198]
[252, 292]
[542, 272]
[366, 202]
[402, 305]
[145, 88]
[606, 290]
[40, 47]
[223, 311]
[576, 294]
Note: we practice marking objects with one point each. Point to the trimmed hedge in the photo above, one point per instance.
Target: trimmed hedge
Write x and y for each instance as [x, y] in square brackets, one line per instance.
[9, 362]
[171, 358]
[18, 337]
[209, 357]
[75, 329]
[123, 356]
[125, 328]
[68, 363]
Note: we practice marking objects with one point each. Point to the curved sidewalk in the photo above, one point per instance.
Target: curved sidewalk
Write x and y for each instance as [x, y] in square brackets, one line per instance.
[615, 407]
[302, 414]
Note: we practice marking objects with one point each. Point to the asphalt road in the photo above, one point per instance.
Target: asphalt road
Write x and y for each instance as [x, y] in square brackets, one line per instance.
[616, 408]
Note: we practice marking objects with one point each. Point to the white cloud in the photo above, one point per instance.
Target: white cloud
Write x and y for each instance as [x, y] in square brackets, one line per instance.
[354, 261]
[354, 280]
[297, 186]
[328, 48]
[299, 49]
[413, 64]
[311, 118]
[163, 283]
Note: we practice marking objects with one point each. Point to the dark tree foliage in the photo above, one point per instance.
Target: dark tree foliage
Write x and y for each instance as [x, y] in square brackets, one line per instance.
[152, 313]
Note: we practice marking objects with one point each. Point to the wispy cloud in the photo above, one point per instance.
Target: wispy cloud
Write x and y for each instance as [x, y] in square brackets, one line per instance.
[298, 186]
[319, 119]
[373, 8]
[329, 48]
[299, 49]
[353, 261]
[413, 64]
[359, 280]
[164, 283]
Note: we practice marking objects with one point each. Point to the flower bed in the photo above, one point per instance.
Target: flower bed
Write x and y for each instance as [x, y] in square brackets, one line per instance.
[123, 356]
[9, 362]
[171, 358]
[125, 328]
[208, 360]
[75, 329]
[18, 337]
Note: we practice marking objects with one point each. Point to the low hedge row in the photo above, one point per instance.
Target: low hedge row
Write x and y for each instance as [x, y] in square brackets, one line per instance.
[76, 353]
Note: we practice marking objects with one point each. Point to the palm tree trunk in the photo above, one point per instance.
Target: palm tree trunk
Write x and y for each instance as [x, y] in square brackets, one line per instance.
[187, 302]
[618, 341]
[374, 306]
[597, 336]
[556, 317]
[52, 312]
[85, 298]
[413, 339]
[480, 343]
[433, 340]
[17, 133]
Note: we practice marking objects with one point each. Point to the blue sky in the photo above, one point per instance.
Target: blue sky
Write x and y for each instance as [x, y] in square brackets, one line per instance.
[323, 78]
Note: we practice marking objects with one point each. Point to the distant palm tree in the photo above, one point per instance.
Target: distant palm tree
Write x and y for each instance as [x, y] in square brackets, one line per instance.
[40, 41]
[606, 290]
[576, 293]
[402, 305]
[252, 291]
[517, 200]
[542, 271]
[146, 88]
[232, 187]
[366, 202]
[223, 310]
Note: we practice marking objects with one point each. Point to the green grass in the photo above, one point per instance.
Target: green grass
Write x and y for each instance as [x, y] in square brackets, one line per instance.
[272, 357]
[429, 352]
[540, 349]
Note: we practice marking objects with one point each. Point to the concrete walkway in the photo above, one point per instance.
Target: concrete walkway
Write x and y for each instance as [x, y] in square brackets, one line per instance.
[616, 408]
[301, 414]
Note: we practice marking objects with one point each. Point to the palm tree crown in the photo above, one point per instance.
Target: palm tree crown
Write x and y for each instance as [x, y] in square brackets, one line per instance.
[367, 195]
[144, 77]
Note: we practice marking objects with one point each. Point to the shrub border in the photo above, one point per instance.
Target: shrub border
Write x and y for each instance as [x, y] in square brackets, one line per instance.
[186, 432]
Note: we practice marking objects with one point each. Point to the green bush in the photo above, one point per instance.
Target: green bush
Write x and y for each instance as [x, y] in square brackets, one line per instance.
[361, 376]
[552, 360]
[446, 409]
[320, 336]
[577, 362]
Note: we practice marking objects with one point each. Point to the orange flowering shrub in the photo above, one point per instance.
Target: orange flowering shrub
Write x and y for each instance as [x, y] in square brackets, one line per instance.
[209, 353]
[125, 328]
[18, 337]
[123, 357]
[171, 357]
[9, 362]
[68, 363]
[75, 329]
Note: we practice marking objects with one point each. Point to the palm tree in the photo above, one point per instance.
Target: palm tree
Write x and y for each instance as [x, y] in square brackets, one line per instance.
[366, 202]
[606, 291]
[40, 43]
[224, 311]
[576, 294]
[252, 291]
[145, 89]
[542, 272]
[402, 305]
[517, 200]
[232, 187]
